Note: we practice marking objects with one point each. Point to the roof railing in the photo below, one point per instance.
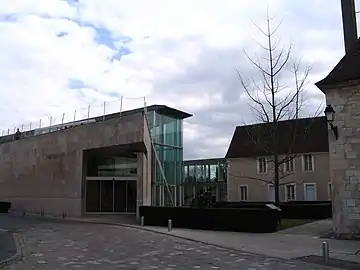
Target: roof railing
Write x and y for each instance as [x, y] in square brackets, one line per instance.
[90, 114]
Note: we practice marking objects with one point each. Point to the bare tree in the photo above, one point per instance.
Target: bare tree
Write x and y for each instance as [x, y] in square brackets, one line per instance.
[272, 101]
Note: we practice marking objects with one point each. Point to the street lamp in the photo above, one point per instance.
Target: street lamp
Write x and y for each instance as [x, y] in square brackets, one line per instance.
[330, 117]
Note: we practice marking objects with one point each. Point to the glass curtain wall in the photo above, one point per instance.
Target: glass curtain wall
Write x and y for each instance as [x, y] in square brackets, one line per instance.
[166, 132]
[202, 174]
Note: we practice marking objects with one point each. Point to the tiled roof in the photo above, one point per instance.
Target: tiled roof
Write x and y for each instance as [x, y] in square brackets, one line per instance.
[348, 69]
[294, 136]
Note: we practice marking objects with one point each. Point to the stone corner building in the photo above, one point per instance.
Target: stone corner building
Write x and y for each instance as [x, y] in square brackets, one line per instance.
[342, 90]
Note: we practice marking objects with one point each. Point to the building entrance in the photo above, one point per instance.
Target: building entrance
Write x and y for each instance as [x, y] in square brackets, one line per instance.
[110, 195]
[111, 184]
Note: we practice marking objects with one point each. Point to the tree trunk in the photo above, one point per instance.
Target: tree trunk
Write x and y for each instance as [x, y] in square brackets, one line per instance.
[276, 180]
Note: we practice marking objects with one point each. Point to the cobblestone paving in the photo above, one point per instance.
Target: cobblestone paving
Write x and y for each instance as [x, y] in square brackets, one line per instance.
[89, 246]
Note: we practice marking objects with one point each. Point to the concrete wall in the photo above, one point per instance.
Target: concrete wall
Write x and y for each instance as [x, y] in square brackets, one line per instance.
[144, 171]
[345, 159]
[243, 171]
[45, 171]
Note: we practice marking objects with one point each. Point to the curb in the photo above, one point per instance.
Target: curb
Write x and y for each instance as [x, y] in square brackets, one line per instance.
[18, 254]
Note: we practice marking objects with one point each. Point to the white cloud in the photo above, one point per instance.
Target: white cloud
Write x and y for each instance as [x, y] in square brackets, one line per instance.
[183, 53]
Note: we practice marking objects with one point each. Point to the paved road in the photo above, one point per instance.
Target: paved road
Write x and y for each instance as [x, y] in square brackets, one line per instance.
[56, 245]
[7, 245]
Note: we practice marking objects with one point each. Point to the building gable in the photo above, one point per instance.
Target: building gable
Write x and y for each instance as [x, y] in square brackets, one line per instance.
[294, 136]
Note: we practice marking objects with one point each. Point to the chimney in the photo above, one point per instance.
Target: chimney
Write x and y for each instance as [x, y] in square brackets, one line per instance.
[349, 23]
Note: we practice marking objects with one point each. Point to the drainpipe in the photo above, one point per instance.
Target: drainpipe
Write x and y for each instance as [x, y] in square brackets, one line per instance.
[349, 23]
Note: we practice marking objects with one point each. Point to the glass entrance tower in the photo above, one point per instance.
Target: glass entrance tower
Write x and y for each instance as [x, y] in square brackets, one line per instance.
[166, 126]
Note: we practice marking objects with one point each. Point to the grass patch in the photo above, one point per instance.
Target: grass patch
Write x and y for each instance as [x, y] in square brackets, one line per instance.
[290, 223]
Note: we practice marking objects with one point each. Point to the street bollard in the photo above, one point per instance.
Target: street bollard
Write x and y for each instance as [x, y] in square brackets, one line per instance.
[42, 213]
[169, 225]
[142, 221]
[325, 251]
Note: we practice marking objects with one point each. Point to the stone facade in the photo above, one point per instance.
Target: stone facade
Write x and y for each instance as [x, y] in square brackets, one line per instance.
[345, 158]
[46, 172]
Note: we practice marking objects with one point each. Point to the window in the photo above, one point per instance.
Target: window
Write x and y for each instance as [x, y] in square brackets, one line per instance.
[310, 192]
[271, 193]
[308, 163]
[330, 191]
[290, 193]
[243, 192]
[261, 165]
[290, 165]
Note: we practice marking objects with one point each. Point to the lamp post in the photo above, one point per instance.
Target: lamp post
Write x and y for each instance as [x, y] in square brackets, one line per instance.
[330, 117]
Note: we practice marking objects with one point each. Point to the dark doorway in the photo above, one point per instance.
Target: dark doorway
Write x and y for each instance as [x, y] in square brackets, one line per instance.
[93, 196]
[120, 196]
[111, 195]
[131, 196]
[107, 195]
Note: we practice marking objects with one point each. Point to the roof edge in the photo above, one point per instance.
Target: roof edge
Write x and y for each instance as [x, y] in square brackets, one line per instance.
[283, 121]
[169, 111]
[324, 87]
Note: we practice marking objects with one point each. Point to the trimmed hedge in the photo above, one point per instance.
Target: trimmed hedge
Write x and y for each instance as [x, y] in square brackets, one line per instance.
[306, 211]
[4, 207]
[258, 220]
[291, 210]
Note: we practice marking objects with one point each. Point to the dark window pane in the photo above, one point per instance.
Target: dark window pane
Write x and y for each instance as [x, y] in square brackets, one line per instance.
[106, 196]
[131, 196]
[92, 196]
[120, 196]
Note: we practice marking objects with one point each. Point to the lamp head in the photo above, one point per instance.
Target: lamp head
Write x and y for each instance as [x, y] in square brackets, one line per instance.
[330, 114]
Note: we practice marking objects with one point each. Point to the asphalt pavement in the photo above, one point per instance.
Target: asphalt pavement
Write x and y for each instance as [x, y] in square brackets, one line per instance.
[7, 245]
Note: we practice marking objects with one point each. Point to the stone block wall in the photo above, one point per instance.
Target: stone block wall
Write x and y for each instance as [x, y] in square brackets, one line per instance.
[345, 159]
[45, 172]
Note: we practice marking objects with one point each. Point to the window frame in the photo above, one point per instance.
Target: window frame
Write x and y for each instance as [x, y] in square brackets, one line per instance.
[293, 165]
[258, 165]
[286, 192]
[304, 163]
[269, 186]
[329, 188]
[315, 189]
[247, 192]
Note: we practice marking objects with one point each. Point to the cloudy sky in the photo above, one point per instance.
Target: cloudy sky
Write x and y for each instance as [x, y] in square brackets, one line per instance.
[58, 56]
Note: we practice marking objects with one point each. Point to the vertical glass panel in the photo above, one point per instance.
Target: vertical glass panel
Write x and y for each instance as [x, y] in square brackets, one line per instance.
[131, 196]
[93, 196]
[186, 172]
[120, 196]
[213, 172]
[191, 173]
[188, 194]
[198, 171]
[107, 189]
[167, 199]
[222, 172]
[206, 172]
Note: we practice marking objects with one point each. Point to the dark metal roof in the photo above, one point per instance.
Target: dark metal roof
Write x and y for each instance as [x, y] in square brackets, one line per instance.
[294, 136]
[161, 109]
[348, 69]
[204, 161]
